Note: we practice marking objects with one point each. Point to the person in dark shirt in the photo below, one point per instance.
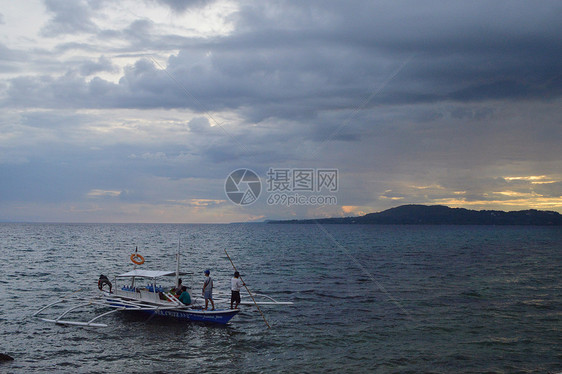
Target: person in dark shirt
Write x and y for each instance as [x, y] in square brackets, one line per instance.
[235, 285]
[103, 281]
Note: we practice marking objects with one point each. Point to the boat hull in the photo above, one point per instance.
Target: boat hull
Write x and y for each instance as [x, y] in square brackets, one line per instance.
[197, 315]
[216, 316]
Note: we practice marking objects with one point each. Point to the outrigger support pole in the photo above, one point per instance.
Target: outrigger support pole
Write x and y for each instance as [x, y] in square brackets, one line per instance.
[247, 289]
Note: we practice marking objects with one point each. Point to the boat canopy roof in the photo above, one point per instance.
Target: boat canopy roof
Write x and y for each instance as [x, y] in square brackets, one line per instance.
[146, 273]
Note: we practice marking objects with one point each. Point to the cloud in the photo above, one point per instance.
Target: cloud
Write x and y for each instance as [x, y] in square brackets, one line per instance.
[103, 64]
[284, 67]
[68, 18]
[200, 125]
[103, 193]
[160, 102]
[183, 5]
[8, 54]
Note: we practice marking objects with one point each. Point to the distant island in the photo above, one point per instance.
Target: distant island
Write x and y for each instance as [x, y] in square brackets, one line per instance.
[442, 215]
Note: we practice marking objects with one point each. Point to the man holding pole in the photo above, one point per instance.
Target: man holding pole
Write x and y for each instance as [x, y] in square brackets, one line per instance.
[247, 289]
[235, 285]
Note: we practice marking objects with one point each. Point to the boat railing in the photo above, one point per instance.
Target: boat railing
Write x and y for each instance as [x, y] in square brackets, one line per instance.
[171, 297]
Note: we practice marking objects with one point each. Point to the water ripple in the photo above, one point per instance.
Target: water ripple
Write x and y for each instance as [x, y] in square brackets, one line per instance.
[479, 299]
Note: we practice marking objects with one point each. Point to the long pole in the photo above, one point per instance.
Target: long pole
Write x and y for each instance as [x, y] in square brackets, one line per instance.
[178, 262]
[247, 289]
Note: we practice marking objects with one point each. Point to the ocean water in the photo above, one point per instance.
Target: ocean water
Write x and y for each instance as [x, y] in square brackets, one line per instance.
[381, 299]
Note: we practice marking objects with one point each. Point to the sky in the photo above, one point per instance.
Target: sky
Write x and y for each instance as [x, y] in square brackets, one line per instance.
[139, 111]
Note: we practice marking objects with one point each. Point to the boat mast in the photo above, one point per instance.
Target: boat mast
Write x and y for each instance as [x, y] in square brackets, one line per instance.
[178, 263]
[134, 268]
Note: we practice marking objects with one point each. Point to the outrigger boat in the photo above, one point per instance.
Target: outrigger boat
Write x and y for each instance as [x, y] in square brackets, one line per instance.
[131, 294]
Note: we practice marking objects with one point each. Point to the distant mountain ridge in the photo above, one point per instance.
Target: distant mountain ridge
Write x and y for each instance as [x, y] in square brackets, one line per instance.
[443, 215]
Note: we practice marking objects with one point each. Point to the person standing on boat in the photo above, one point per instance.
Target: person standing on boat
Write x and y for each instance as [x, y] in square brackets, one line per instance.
[235, 285]
[208, 290]
[185, 297]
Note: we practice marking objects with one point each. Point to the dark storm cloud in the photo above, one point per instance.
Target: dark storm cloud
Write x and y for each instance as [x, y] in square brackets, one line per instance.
[142, 86]
[456, 46]
[324, 65]
[295, 60]
[183, 5]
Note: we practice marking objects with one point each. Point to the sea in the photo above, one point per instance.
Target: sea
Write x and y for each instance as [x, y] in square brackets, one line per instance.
[367, 298]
